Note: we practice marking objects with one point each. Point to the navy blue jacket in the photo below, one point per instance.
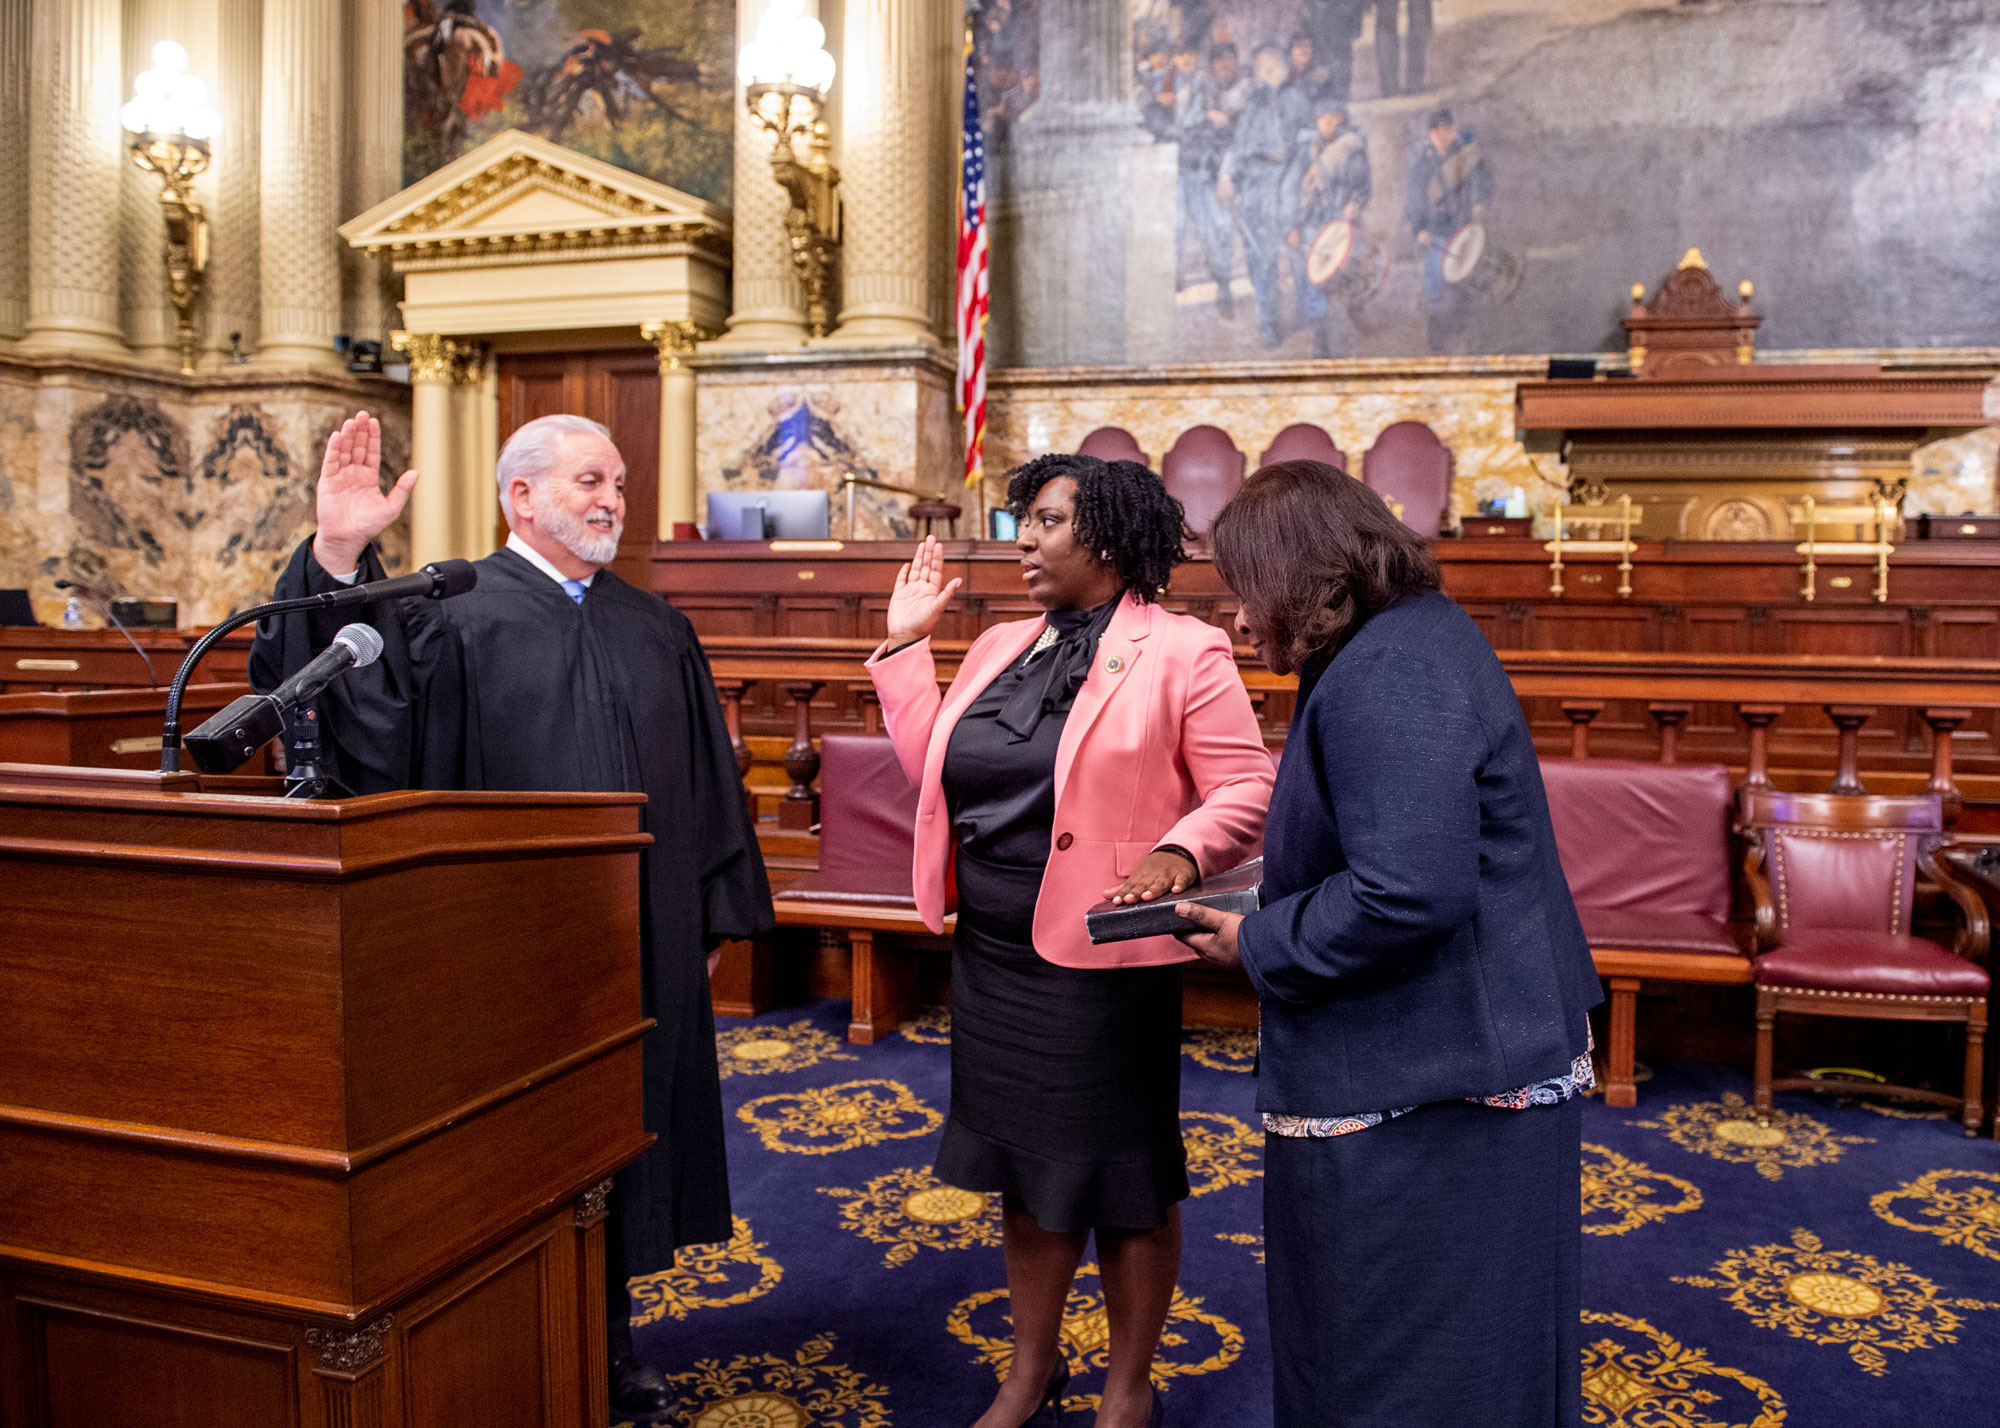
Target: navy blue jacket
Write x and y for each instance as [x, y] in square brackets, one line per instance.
[1418, 942]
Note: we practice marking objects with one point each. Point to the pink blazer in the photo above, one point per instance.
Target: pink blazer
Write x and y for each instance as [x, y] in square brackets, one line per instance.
[1161, 746]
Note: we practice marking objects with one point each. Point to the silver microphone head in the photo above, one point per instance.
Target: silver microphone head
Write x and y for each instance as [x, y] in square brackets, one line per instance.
[364, 640]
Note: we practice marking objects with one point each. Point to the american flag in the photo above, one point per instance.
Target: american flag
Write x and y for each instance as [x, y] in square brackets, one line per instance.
[972, 298]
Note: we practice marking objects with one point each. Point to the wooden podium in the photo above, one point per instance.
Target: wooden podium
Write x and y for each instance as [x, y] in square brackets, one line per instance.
[308, 1111]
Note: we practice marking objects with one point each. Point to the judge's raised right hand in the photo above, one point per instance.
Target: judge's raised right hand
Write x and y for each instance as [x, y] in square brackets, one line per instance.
[920, 595]
[352, 507]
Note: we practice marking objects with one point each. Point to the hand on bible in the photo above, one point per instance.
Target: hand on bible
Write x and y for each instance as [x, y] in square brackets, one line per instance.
[352, 507]
[920, 595]
[1157, 873]
[1212, 934]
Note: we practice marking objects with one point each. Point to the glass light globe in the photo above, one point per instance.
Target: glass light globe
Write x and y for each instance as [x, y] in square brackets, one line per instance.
[170, 57]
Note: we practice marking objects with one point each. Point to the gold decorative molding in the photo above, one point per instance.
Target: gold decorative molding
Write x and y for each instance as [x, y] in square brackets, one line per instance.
[350, 1351]
[436, 358]
[676, 339]
[594, 1204]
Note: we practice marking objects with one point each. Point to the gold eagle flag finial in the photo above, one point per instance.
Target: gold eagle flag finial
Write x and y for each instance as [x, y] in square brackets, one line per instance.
[1692, 259]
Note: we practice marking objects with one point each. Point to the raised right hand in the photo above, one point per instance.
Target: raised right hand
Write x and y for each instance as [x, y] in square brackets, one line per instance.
[920, 595]
[352, 507]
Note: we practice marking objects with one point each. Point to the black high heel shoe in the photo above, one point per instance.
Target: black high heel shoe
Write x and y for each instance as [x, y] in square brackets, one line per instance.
[1052, 1397]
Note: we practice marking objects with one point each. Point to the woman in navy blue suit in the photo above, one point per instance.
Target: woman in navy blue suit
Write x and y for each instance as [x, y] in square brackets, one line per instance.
[1424, 987]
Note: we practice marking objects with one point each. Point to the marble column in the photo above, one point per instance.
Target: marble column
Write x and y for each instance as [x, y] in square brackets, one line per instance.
[14, 26]
[300, 143]
[374, 167]
[676, 341]
[889, 152]
[443, 510]
[233, 221]
[75, 165]
[768, 305]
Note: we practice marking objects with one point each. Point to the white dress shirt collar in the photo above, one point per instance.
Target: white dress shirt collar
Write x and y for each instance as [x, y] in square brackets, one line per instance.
[541, 562]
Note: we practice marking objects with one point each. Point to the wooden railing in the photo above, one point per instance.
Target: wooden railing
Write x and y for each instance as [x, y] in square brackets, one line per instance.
[1762, 714]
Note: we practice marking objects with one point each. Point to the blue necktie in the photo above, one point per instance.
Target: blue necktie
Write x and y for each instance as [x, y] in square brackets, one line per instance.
[574, 589]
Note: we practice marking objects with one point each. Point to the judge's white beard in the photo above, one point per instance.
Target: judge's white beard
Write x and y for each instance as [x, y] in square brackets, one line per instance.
[594, 545]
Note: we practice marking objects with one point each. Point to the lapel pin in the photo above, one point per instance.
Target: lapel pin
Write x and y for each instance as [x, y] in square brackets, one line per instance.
[1114, 664]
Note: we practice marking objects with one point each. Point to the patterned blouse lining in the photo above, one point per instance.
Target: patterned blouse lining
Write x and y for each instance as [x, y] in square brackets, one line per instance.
[1554, 1091]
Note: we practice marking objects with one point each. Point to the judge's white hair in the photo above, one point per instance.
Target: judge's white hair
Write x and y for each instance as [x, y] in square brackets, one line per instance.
[531, 451]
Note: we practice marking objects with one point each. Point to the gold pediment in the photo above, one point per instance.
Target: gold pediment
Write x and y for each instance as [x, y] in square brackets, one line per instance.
[518, 198]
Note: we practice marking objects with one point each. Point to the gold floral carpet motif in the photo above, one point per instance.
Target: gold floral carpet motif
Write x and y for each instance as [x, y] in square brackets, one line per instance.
[1960, 1207]
[911, 1210]
[1621, 1194]
[799, 1390]
[1838, 1297]
[824, 1120]
[1728, 1130]
[771, 1050]
[706, 1277]
[1220, 1049]
[1638, 1377]
[1221, 1151]
[931, 1026]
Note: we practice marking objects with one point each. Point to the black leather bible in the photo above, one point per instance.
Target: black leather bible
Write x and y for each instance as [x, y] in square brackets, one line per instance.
[1241, 889]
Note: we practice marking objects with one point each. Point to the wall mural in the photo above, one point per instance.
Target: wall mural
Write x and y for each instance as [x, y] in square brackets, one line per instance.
[1380, 178]
[644, 84]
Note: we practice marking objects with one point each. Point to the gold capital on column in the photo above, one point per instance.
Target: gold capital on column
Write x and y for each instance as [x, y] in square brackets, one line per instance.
[434, 357]
[675, 339]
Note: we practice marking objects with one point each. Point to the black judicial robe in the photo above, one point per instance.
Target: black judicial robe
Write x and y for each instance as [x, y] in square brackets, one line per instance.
[514, 686]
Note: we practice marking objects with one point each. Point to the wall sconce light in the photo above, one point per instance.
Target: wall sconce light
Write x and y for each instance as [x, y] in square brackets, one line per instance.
[786, 73]
[171, 126]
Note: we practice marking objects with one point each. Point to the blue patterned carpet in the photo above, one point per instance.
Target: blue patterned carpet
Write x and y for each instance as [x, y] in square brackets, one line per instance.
[1840, 1267]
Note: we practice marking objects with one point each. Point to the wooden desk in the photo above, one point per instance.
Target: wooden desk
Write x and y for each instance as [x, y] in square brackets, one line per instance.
[299, 1122]
[36, 657]
[109, 728]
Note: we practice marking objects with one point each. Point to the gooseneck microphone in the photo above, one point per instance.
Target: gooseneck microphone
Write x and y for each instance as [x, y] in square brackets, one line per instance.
[231, 736]
[438, 581]
[152, 675]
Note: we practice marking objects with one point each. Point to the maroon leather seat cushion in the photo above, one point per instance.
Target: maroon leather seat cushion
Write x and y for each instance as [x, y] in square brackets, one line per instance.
[1832, 959]
[1638, 929]
[867, 822]
[1645, 848]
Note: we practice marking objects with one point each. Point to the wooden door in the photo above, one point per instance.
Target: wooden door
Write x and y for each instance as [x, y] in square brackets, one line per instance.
[619, 388]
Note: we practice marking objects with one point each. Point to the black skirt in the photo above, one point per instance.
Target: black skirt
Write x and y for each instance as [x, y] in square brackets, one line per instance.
[1427, 1270]
[1065, 1082]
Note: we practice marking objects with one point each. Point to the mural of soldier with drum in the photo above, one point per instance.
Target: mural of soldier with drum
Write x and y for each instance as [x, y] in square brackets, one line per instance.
[1449, 192]
[1334, 268]
[1260, 181]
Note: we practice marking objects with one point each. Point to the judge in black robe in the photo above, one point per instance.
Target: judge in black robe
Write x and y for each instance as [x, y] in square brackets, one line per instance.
[518, 686]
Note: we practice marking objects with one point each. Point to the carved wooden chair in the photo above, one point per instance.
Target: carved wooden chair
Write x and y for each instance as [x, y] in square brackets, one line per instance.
[1113, 443]
[1835, 879]
[1302, 441]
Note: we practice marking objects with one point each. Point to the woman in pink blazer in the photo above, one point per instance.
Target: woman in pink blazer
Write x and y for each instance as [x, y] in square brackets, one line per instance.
[1106, 749]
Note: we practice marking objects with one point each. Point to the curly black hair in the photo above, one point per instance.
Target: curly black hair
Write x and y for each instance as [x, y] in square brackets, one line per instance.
[1122, 507]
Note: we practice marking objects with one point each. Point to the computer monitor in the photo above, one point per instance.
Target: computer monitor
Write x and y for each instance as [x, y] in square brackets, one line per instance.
[16, 608]
[768, 515]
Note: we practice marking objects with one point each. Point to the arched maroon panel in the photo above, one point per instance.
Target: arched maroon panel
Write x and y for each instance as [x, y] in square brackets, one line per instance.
[1303, 441]
[1202, 471]
[1409, 465]
[1113, 443]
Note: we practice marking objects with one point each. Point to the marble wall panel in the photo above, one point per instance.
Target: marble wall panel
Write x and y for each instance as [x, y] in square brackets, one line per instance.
[806, 425]
[192, 491]
[1955, 476]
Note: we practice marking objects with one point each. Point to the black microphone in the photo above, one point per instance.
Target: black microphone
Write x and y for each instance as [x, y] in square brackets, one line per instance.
[231, 736]
[438, 581]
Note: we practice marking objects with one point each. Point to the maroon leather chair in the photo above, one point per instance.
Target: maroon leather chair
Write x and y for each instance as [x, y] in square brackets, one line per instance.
[1835, 877]
[1410, 467]
[1113, 443]
[868, 814]
[1202, 470]
[1646, 850]
[1302, 441]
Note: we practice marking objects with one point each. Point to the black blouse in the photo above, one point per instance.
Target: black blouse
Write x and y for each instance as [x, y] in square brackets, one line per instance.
[1000, 769]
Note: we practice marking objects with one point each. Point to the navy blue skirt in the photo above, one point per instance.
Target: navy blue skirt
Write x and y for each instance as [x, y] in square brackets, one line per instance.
[1427, 1272]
